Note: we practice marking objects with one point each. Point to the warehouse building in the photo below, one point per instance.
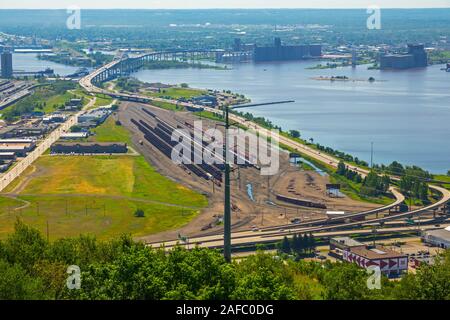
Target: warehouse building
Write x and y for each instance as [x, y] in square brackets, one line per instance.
[20, 147]
[88, 148]
[7, 156]
[96, 117]
[23, 131]
[344, 243]
[74, 135]
[439, 238]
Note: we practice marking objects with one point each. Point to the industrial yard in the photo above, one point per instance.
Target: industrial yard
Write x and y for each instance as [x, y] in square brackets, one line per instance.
[254, 205]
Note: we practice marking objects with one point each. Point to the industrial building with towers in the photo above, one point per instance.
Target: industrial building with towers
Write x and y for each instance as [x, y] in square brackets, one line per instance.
[6, 64]
[280, 52]
[416, 57]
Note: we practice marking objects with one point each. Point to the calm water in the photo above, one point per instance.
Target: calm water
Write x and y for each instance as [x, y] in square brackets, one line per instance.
[406, 114]
[30, 62]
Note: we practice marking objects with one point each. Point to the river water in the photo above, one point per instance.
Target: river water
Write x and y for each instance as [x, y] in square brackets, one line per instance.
[30, 62]
[406, 114]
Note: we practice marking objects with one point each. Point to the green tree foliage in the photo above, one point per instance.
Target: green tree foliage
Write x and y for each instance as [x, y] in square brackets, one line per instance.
[414, 187]
[139, 213]
[285, 246]
[294, 133]
[32, 268]
[375, 185]
[431, 282]
[299, 245]
[261, 277]
[351, 175]
[396, 168]
[17, 284]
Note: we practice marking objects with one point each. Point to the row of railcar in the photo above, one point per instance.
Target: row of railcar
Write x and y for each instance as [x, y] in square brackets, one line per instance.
[161, 137]
[5, 85]
[301, 202]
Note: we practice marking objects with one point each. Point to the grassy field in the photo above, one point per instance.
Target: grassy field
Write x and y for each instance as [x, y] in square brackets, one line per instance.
[444, 178]
[97, 195]
[102, 101]
[167, 106]
[177, 93]
[110, 132]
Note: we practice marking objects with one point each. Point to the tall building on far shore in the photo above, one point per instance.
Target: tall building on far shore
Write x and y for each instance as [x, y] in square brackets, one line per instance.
[237, 45]
[286, 53]
[6, 64]
[415, 58]
[419, 53]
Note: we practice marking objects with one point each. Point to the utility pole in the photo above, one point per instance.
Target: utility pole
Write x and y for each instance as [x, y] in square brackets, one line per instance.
[227, 202]
[227, 208]
[371, 155]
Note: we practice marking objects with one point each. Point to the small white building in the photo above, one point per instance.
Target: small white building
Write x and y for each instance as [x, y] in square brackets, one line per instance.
[74, 135]
[439, 238]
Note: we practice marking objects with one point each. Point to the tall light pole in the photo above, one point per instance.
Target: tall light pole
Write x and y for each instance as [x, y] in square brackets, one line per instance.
[371, 155]
[227, 202]
[227, 207]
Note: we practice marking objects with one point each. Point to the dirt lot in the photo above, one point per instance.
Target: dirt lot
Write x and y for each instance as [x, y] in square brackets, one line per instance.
[261, 211]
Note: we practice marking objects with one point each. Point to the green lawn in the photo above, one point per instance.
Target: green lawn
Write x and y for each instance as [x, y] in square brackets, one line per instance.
[177, 93]
[167, 106]
[209, 115]
[444, 178]
[101, 194]
[110, 132]
[104, 217]
[102, 101]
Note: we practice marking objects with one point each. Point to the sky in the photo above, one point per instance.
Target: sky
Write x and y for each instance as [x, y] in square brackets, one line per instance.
[195, 4]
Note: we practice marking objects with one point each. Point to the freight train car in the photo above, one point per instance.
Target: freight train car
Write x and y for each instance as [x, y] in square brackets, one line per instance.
[301, 202]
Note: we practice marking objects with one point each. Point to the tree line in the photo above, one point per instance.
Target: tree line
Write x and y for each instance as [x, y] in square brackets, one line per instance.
[33, 268]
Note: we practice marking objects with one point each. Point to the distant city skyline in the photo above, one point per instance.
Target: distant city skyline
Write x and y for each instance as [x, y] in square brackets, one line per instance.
[204, 4]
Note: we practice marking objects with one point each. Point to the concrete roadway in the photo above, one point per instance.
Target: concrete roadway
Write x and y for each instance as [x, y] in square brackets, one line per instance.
[261, 237]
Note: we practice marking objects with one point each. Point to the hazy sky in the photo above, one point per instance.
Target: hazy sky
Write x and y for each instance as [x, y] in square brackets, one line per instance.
[188, 4]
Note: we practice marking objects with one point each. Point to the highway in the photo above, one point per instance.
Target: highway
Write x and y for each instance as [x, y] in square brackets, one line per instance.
[317, 226]
[252, 238]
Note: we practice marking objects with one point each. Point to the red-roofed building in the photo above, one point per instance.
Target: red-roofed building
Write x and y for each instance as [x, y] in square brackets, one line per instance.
[391, 263]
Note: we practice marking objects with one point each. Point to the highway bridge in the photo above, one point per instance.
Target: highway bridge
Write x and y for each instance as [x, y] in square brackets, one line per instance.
[126, 65]
[113, 69]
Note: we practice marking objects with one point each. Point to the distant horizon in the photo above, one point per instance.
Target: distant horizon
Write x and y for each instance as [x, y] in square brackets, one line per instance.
[228, 8]
[229, 4]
